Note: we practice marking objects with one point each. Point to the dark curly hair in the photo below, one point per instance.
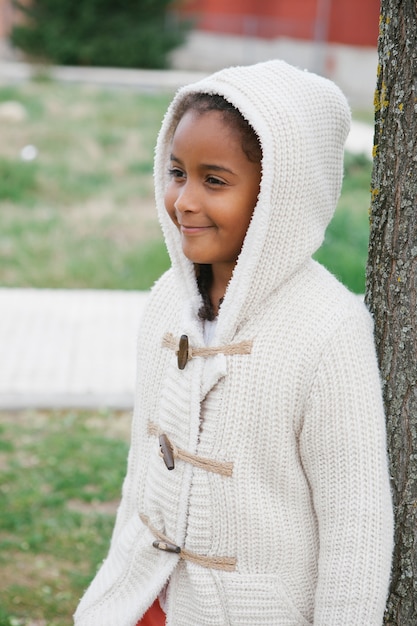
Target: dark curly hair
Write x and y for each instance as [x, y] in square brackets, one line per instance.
[204, 103]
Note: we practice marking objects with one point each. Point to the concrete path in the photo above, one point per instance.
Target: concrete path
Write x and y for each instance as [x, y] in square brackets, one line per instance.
[143, 80]
[68, 348]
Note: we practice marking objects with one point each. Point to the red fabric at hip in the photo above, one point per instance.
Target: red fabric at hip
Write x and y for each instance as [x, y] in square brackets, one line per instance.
[154, 616]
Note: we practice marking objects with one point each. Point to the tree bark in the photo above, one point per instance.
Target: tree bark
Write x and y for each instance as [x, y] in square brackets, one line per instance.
[391, 284]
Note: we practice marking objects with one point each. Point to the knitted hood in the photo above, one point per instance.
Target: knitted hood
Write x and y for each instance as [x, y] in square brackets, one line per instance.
[302, 121]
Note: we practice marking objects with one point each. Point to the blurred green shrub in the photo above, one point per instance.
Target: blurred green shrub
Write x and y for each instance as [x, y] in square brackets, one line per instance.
[113, 33]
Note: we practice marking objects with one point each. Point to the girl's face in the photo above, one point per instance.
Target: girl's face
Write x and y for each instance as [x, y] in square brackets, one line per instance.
[213, 189]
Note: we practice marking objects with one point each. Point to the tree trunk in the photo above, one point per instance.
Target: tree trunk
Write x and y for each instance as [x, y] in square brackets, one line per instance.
[391, 289]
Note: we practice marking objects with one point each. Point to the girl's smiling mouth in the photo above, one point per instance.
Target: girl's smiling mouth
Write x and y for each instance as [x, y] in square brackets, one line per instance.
[193, 230]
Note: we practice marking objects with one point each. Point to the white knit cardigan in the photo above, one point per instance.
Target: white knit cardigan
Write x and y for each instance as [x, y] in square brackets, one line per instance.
[297, 529]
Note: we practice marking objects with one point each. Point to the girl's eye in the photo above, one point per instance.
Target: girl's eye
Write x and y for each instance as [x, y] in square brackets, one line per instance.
[212, 180]
[174, 172]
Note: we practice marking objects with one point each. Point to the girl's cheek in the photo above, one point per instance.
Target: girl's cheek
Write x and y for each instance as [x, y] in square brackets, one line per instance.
[169, 201]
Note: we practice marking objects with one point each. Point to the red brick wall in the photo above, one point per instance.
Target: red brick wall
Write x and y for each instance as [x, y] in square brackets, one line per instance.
[353, 22]
[9, 16]
[5, 17]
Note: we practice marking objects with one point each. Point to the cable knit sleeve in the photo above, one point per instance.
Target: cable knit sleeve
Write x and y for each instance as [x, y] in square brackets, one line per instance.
[343, 450]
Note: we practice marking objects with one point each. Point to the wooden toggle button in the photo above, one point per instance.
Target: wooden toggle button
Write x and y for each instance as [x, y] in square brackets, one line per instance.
[166, 546]
[183, 352]
[166, 449]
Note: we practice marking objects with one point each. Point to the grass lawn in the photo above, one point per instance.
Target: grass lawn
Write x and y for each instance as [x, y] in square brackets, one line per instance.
[345, 248]
[60, 483]
[81, 214]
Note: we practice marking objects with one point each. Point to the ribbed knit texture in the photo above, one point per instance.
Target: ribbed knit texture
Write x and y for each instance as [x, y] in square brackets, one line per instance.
[307, 510]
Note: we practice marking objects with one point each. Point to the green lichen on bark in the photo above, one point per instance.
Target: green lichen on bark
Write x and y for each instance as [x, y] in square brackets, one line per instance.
[391, 289]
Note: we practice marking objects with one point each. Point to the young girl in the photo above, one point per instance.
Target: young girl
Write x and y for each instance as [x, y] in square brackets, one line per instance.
[257, 490]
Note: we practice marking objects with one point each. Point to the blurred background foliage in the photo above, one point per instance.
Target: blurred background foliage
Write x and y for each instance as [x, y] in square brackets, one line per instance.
[345, 248]
[112, 33]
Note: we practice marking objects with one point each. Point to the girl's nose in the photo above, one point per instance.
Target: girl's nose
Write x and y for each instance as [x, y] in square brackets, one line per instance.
[187, 199]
